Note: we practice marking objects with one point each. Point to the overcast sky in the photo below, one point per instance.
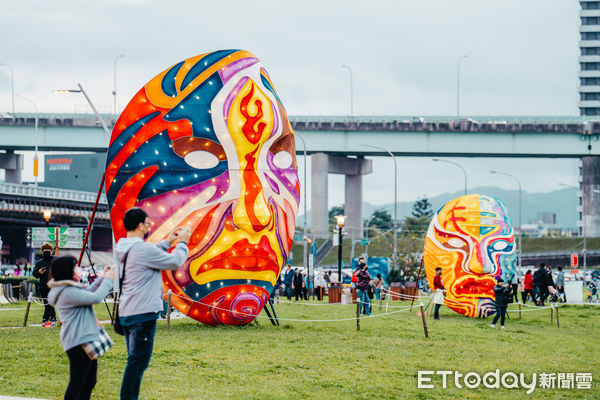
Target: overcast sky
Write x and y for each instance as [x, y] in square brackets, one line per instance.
[522, 60]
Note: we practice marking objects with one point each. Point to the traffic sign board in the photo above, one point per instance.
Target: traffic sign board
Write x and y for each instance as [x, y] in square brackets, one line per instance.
[64, 237]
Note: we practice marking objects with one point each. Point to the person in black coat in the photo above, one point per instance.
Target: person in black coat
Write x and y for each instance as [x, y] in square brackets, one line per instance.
[540, 280]
[298, 285]
[41, 271]
[501, 293]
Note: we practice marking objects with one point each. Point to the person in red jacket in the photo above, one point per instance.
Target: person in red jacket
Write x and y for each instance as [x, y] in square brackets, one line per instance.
[438, 292]
[527, 287]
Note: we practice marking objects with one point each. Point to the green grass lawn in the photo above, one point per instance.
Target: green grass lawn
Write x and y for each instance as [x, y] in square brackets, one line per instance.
[328, 360]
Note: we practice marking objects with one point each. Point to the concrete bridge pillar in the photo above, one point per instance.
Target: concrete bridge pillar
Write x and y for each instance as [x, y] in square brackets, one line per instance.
[353, 168]
[590, 190]
[13, 165]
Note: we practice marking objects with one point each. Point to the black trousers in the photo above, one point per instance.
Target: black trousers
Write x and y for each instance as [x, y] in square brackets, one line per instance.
[49, 313]
[436, 311]
[82, 377]
[525, 293]
[500, 313]
[515, 292]
[298, 293]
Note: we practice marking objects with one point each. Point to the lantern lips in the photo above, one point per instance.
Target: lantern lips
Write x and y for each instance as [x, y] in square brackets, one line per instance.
[244, 256]
[474, 286]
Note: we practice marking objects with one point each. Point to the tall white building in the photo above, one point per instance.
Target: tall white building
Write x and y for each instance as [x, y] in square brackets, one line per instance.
[589, 59]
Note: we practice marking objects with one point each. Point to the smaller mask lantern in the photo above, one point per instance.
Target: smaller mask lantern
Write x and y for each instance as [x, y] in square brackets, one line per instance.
[471, 238]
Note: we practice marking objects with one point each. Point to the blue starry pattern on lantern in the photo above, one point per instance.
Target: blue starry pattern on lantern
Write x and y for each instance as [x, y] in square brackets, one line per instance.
[203, 64]
[173, 172]
[198, 292]
[195, 108]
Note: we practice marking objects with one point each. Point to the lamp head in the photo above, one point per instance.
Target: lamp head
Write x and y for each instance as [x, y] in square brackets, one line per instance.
[341, 219]
[47, 215]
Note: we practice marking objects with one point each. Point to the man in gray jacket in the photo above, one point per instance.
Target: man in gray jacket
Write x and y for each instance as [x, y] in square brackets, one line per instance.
[140, 302]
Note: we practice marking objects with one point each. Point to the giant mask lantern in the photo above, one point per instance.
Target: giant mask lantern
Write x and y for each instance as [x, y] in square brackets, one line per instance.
[207, 145]
[471, 238]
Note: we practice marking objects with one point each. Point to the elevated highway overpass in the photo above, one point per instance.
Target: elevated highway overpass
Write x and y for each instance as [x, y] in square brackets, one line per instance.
[331, 140]
[571, 137]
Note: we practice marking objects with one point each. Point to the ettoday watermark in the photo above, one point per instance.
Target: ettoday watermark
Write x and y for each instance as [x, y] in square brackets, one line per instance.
[509, 380]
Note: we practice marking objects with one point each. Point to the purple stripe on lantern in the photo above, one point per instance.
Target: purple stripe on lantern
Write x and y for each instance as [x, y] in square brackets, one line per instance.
[235, 67]
[275, 207]
[272, 183]
[246, 313]
[236, 89]
[275, 119]
[288, 176]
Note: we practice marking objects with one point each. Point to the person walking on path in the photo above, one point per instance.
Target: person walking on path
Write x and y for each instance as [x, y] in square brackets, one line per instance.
[439, 292]
[514, 284]
[288, 282]
[363, 282]
[501, 293]
[560, 284]
[378, 285]
[140, 302]
[80, 327]
[541, 285]
[297, 285]
[527, 287]
[42, 271]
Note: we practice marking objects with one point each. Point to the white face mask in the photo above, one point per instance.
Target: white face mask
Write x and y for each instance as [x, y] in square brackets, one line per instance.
[77, 272]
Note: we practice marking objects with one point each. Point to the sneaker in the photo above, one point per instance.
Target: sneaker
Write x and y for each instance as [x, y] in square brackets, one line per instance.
[502, 326]
[493, 325]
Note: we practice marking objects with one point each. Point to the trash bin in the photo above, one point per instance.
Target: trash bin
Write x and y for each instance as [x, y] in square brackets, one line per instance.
[335, 293]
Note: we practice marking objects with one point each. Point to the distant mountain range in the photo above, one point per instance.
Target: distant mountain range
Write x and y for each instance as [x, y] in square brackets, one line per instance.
[561, 202]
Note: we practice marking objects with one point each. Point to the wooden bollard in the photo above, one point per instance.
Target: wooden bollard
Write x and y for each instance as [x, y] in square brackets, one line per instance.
[358, 315]
[519, 310]
[169, 309]
[551, 315]
[29, 299]
[424, 321]
[557, 321]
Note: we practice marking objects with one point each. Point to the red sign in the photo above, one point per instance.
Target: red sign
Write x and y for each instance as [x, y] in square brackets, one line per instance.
[574, 260]
[53, 161]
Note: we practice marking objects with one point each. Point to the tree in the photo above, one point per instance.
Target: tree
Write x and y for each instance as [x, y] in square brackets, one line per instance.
[416, 224]
[380, 221]
[422, 207]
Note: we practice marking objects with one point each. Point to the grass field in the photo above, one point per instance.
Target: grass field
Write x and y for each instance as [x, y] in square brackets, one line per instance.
[321, 360]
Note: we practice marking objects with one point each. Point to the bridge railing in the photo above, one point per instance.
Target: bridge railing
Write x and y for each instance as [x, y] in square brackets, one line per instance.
[49, 193]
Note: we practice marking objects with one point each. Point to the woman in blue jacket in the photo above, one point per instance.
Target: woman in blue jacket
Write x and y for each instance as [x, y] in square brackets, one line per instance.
[79, 323]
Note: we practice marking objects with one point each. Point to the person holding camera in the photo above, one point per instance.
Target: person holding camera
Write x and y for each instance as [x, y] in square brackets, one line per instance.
[363, 283]
[80, 332]
[140, 301]
[501, 293]
[42, 271]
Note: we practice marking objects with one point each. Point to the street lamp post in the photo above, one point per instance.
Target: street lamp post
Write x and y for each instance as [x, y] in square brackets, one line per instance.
[36, 158]
[520, 209]
[458, 85]
[341, 219]
[115, 87]
[458, 165]
[12, 86]
[305, 256]
[583, 227]
[367, 237]
[395, 255]
[351, 90]
[82, 91]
